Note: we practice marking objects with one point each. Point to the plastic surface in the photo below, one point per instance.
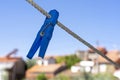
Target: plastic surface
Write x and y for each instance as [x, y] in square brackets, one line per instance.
[44, 35]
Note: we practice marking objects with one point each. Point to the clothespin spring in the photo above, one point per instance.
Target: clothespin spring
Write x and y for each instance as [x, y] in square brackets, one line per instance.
[42, 32]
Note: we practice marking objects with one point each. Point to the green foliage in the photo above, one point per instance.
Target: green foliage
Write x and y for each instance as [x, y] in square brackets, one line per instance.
[69, 60]
[41, 77]
[89, 76]
[60, 59]
[104, 76]
[86, 76]
[61, 77]
[30, 63]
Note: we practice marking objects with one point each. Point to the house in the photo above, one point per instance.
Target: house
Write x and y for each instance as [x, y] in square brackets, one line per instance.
[46, 61]
[82, 66]
[100, 63]
[12, 68]
[81, 54]
[47, 66]
[49, 70]
[90, 54]
[93, 56]
[100, 48]
[114, 55]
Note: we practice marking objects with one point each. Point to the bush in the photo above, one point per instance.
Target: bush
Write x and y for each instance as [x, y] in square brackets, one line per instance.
[104, 76]
[86, 76]
[41, 77]
[89, 76]
[69, 60]
[61, 77]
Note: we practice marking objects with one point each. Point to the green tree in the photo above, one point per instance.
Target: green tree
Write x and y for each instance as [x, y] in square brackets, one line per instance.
[41, 77]
[69, 60]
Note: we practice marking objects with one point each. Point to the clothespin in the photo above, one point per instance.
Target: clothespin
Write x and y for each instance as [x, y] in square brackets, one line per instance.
[44, 35]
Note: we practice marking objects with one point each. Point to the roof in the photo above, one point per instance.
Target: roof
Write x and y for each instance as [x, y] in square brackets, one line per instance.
[114, 55]
[102, 49]
[42, 68]
[9, 59]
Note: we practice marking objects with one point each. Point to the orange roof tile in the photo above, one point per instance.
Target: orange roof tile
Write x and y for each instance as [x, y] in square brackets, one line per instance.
[9, 59]
[114, 55]
[102, 49]
[42, 68]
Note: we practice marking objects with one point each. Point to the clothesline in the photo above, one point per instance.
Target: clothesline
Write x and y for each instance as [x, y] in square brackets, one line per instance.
[72, 33]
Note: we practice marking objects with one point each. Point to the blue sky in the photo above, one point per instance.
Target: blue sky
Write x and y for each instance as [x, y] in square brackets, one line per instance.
[93, 20]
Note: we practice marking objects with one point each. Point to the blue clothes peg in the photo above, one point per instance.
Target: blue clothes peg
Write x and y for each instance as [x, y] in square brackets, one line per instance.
[44, 35]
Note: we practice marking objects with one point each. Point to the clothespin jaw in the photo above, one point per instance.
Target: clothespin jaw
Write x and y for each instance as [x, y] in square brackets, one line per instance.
[44, 35]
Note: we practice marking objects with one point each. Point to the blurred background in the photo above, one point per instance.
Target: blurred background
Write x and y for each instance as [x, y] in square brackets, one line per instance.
[97, 22]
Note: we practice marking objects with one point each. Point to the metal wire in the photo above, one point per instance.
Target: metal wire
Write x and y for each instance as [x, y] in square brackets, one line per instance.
[72, 33]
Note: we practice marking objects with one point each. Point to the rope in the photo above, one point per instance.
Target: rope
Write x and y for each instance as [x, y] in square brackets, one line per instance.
[72, 33]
